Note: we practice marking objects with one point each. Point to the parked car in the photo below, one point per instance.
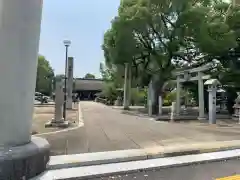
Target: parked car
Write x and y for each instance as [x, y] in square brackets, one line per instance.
[40, 97]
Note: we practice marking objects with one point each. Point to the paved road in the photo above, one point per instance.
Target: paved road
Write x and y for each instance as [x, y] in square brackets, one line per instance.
[72, 142]
[208, 171]
[108, 129]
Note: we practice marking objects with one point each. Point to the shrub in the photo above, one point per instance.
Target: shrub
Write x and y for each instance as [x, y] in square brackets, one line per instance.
[138, 97]
[167, 103]
[109, 93]
[169, 98]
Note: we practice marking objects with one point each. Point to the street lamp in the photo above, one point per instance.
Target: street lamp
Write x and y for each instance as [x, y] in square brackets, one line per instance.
[66, 43]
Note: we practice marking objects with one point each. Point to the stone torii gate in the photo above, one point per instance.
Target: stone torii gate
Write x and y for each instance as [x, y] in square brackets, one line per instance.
[21, 155]
[183, 76]
[189, 75]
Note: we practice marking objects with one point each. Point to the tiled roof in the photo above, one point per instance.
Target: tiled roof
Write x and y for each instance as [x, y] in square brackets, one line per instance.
[88, 84]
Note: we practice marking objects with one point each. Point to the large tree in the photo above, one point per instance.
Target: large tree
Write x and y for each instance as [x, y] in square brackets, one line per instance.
[89, 76]
[156, 37]
[45, 76]
[229, 65]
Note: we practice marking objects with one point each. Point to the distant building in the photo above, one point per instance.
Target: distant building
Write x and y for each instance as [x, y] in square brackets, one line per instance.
[87, 88]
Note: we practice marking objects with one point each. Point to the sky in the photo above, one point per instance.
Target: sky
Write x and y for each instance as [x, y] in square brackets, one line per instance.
[83, 22]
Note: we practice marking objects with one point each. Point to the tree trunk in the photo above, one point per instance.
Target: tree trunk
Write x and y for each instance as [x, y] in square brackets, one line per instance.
[130, 86]
[127, 87]
[155, 88]
[155, 103]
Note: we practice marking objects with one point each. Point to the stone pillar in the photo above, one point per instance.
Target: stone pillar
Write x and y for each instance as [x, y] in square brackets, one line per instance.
[150, 98]
[58, 120]
[236, 115]
[18, 48]
[70, 83]
[126, 83]
[212, 104]
[19, 33]
[201, 96]
[59, 100]
[178, 97]
[160, 100]
[173, 112]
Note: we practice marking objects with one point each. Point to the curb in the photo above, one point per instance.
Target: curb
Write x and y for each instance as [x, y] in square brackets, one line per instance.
[42, 105]
[98, 171]
[80, 124]
[191, 149]
[218, 129]
[89, 159]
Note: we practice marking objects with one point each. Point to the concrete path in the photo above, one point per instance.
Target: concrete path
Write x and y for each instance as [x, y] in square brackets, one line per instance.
[108, 129]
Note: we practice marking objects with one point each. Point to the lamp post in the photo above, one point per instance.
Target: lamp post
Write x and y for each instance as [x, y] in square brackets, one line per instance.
[66, 43]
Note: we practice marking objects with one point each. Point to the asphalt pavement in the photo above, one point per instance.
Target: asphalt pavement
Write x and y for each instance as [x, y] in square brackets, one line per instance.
[205, 171]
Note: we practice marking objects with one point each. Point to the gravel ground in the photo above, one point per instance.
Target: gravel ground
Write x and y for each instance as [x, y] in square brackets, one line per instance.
[44, 113]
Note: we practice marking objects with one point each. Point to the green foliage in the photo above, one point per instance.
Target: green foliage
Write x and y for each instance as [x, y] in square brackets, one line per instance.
[45, 76]
[231, 96]
[156, 37]
[138, 97]
[113, 74]
[228, 71]
[89, 76]
[106, 73]
[59, 77]
[109, 92]
[169, 98]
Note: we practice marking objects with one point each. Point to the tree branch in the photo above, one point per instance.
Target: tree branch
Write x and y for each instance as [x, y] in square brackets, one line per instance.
[145, 44]
[169, 21]
[158, 36]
